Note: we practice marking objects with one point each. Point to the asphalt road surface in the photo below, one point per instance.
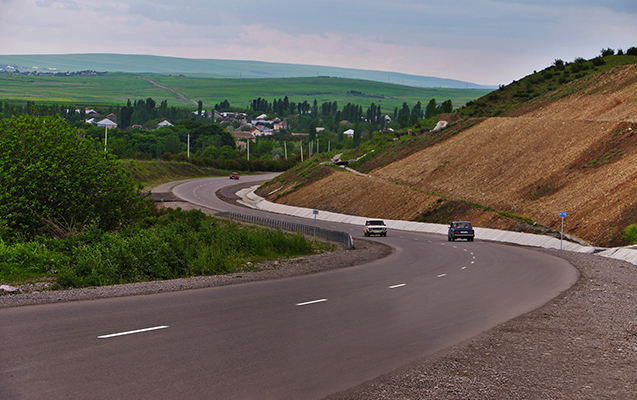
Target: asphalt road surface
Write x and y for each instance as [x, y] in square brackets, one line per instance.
[298, 338]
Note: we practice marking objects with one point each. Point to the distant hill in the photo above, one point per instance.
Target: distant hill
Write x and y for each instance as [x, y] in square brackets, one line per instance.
[216, 68]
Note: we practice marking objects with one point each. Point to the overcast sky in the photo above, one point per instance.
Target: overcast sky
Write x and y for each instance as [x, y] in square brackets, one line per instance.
[488, 42]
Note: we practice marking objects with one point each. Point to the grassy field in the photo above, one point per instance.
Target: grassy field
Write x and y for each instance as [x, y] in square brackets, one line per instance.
[117, 88]
[154, 173]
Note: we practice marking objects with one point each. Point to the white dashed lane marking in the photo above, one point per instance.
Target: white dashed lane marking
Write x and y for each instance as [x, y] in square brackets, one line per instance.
[397, 286]
[132, 332]
[311, 302]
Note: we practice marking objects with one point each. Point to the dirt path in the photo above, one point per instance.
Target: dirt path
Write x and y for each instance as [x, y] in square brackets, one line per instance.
[169, 89]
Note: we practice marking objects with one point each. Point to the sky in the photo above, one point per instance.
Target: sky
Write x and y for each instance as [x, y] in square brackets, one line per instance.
[488, 42]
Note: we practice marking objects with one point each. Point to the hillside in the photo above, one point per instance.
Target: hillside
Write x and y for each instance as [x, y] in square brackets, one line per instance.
[117, 88]
[572, 149]
[133, 63]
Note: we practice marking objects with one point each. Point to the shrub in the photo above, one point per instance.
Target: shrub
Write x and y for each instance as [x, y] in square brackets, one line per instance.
[178, 244]
[54, 181]
[630, 234]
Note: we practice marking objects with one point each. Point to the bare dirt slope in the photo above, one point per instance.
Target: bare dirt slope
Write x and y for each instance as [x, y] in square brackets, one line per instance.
[576, 154]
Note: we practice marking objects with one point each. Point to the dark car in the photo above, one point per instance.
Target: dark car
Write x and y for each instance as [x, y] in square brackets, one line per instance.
[460, 230]
[234, 175]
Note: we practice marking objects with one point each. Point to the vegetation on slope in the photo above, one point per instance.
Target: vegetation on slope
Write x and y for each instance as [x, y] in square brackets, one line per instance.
[551, 80]
[584, 85]
[70, 214]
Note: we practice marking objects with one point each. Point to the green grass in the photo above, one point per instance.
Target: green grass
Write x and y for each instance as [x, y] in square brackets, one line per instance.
[118, 88]
[153, 173]
[174, 245]
[549, 84]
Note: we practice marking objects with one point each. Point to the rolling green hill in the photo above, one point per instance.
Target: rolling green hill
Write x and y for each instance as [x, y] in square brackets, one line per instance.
[117, 88]
[213, 68]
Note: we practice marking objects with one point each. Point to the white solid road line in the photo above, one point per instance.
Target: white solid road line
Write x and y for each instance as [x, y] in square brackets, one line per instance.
[132, 332]
[441, 275]
[397, 286]
[311, 302]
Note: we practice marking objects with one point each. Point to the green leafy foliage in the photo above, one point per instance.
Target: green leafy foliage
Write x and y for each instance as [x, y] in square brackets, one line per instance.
[176, 244]
[54, 181]
[630, 234]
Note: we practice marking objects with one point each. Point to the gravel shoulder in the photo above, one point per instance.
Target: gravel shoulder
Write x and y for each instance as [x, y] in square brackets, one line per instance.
[580, 345]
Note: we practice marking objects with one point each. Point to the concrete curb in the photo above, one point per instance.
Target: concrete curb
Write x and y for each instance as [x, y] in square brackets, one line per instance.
[251, 199]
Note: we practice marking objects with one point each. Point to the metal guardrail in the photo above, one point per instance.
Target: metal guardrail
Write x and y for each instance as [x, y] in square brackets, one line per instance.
[334, 236]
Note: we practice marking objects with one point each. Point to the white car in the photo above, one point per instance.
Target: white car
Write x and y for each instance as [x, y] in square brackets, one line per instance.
[375, 227]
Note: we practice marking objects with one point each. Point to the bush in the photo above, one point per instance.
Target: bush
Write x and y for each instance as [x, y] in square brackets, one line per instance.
[630, 234]
[177, 244]
[54, 181]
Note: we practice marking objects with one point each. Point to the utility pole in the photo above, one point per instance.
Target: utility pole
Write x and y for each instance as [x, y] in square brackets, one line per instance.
[285, 145]
[189, 145]
[105, 137]
[301, 151]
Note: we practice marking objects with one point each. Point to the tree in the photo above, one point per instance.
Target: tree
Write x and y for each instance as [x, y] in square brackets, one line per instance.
[54, 181]
[312, 130]
[430, 111]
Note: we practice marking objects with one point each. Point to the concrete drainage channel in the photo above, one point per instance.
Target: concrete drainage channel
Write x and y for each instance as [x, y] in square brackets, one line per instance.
[629, 253]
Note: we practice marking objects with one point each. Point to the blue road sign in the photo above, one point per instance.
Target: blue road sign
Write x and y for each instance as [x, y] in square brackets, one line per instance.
[563, 214]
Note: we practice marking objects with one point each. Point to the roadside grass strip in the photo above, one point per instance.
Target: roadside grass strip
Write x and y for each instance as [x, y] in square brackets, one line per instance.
[132, 332]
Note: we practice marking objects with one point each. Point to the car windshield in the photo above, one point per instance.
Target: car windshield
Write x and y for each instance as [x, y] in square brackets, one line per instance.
[375, 223]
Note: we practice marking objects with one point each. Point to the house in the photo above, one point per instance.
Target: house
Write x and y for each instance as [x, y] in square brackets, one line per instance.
[241, 138]
[106, 123]
[163, 124]
[349, 132]
[112, 117]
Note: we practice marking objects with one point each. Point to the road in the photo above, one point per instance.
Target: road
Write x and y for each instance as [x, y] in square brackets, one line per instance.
[298, 338]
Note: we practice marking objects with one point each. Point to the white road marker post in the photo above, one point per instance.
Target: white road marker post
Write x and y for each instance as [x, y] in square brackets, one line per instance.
[562, 215]
[315, 212]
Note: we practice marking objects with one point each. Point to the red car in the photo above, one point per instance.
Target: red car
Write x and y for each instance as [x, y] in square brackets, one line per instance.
[234, 175]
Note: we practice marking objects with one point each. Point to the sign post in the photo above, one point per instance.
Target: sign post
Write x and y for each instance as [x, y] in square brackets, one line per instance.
[562, 215]
[315, 212]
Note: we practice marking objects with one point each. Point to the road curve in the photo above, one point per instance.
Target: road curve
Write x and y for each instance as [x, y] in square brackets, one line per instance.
[298, 338]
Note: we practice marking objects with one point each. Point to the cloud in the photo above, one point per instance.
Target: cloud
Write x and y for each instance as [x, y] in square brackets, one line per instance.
[62, 4]
[485, 41]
